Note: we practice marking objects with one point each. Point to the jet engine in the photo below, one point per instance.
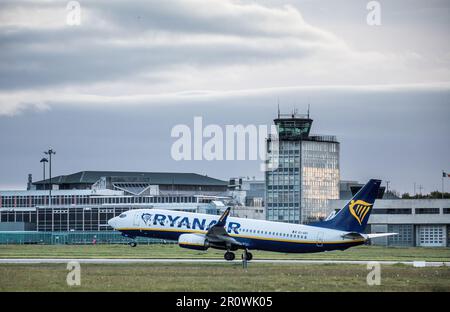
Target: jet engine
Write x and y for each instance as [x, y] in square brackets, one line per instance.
[193, 241]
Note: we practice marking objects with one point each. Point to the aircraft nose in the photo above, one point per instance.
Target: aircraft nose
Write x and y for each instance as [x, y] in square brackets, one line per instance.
[113, 222]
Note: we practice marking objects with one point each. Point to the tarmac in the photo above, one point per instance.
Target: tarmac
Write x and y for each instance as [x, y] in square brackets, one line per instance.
[274, 261]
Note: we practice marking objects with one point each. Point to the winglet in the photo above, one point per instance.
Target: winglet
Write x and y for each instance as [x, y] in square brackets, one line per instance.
[223, 217]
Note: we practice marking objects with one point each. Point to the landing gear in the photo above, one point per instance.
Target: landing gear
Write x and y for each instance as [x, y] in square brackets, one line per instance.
[229, 256]
[247, 256]
[132, 244]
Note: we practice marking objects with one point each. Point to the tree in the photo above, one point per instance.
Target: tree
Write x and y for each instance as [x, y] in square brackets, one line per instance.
[432, 195]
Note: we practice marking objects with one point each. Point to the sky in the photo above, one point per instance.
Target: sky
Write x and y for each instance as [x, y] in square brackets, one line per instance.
[106, 93]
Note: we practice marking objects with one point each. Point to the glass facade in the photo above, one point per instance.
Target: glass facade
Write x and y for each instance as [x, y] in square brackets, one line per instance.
[76, 219]
[293, 128]
[405, 237]
[72, 238]
[283, 185]
[320, 178]
[81, 212]
[30, 201]
[307, 175]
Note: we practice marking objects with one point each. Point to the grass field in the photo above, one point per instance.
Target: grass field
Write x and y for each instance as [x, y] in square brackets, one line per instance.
[173, 251]
[203, 276]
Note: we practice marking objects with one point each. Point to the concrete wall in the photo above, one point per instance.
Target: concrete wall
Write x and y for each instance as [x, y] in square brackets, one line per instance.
[248, 212]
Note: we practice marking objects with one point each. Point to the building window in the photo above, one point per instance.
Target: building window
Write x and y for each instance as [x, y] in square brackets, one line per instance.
[392, 211]
[427, 210]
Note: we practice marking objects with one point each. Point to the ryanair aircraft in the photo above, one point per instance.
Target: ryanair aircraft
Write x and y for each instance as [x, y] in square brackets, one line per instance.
[202, 231]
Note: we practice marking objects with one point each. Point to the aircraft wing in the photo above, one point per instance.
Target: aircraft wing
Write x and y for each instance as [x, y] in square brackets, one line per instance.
[218, 234]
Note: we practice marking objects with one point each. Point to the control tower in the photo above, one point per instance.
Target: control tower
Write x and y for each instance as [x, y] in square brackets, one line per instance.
[293, 126]
[307, 175]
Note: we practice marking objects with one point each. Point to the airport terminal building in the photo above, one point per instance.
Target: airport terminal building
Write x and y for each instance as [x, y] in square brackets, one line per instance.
[247, 198]
[85, 201]
[418, 222]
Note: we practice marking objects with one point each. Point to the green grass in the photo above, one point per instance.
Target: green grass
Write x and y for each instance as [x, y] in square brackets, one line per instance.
[202, 277]
[173, 251]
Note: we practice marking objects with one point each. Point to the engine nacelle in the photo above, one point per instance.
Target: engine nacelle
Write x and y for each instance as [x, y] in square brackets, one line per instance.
[193, 241]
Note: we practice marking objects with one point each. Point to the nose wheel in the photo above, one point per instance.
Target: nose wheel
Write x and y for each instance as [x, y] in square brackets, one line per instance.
[229, 256]
[132, 244]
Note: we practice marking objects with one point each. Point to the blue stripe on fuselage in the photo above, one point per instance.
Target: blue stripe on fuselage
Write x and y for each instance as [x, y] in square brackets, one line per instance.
[252, 243]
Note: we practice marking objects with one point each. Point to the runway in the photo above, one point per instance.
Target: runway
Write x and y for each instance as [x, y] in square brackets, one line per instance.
[273, 261]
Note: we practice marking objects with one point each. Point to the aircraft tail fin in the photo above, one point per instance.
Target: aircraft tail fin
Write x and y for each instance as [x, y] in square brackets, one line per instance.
[354, 216]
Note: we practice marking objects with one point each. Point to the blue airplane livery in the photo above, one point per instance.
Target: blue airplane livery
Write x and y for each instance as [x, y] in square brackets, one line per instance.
[340, 231]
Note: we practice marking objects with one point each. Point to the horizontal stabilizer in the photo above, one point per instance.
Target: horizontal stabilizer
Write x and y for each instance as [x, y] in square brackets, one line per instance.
[375, 235]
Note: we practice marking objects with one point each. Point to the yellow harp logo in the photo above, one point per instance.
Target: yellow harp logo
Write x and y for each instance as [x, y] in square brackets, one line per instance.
[359, 209]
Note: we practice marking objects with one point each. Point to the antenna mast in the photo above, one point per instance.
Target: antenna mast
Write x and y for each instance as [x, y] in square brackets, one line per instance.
[278, 102]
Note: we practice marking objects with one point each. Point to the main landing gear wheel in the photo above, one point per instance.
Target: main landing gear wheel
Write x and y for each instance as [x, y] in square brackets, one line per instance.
[249, 256]
[132, 244]
[229, 256]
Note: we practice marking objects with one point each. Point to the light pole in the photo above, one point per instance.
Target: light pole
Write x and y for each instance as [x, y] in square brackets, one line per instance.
[386, 192]
[420, 189]
[43, 161]
[50, 152]
[443, 176]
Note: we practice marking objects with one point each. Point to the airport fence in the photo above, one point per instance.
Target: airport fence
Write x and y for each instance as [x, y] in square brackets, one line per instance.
[71, 238]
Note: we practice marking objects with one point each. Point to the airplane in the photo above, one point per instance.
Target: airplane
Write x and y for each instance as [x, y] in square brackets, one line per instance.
[339, 231]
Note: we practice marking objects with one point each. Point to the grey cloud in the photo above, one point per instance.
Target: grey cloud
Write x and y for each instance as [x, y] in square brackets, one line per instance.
[162, 45]
[26, 63]
[40, 57]
[205, 17]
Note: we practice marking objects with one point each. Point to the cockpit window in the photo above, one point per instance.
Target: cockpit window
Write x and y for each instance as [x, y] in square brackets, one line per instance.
[122, 215]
